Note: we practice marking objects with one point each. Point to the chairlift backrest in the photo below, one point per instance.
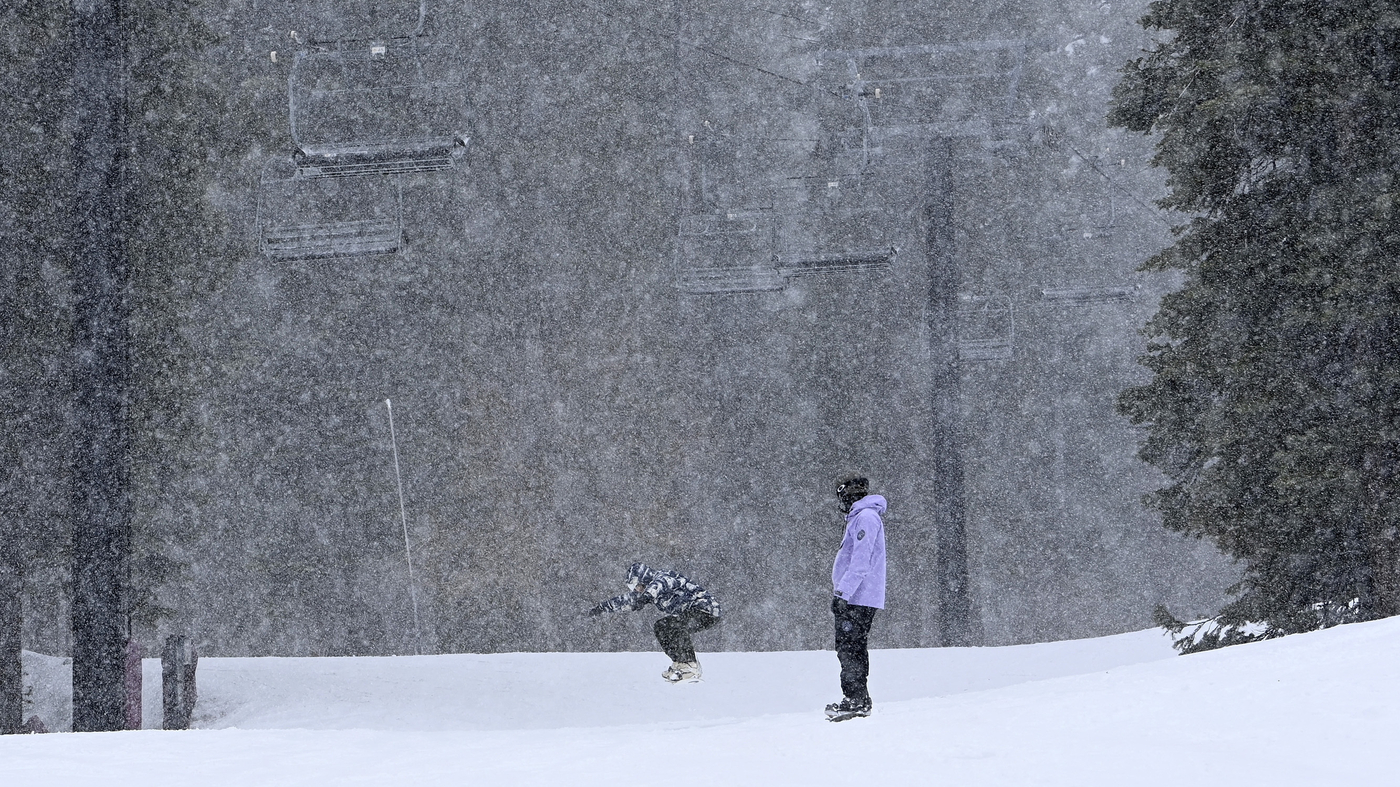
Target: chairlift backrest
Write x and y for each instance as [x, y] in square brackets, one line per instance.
[368, 109]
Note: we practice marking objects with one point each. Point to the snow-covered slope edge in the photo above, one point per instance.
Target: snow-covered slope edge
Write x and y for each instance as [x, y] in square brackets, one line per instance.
[1315, 709]
[535, 690]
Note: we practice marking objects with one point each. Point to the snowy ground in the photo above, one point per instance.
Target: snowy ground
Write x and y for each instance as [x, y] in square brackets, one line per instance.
[1316, 709]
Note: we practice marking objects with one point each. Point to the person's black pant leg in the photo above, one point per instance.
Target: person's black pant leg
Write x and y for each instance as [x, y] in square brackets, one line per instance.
[673, 632]
[852, 648]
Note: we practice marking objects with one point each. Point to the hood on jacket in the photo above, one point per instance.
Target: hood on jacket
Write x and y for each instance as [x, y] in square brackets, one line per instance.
[876, 502]
[639, 574]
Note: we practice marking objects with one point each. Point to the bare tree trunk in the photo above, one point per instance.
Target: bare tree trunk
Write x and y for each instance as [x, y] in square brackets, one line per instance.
[11, 624]
[100, 368]
[1383, 547]
[1376, 466]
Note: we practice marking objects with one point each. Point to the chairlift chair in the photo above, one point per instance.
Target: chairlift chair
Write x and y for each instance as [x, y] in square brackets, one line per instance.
[953, 89]
[367, 108]
[728, 252]
[360, 100]
[841, 223]
[986, 327]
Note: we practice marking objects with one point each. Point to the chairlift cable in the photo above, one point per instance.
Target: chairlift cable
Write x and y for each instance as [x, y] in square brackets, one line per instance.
[1094, 165]
[701, 48]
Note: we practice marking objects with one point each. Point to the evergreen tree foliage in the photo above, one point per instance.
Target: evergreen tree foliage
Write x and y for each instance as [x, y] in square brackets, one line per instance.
[34, 329]
[180, 128]
[1273, 407]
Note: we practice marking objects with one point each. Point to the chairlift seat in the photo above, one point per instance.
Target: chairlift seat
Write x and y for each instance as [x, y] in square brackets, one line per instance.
[1089, 295]
[326, 161]
[853, 262]
[721, 281]
[333, 239]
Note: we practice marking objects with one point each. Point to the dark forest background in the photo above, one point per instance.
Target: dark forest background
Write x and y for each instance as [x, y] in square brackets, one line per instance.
[567, 399]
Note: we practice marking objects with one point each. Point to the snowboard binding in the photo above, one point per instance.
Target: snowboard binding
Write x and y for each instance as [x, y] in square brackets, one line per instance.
[848, 708]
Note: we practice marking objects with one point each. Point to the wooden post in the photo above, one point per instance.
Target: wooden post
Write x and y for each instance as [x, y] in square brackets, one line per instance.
[178, 662]
[133, 685]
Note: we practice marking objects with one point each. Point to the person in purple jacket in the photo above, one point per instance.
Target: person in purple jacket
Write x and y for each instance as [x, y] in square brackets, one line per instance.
[858, 590]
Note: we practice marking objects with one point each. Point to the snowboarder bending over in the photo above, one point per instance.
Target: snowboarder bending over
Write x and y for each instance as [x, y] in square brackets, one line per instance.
[858, 580]
[687, 607]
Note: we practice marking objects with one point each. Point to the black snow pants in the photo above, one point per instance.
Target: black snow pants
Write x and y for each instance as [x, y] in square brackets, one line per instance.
[673, 632]
[852, 634]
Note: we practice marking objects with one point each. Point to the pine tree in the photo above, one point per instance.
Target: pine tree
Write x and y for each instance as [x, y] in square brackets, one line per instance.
[1273, 407]
[34, 331]
[171, 248]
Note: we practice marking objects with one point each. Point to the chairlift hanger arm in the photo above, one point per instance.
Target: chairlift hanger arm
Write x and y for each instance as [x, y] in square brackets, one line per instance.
[417, 32]
[989, 45]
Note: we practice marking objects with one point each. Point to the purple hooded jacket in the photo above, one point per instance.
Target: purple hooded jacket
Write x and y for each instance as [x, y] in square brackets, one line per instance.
[859, 573]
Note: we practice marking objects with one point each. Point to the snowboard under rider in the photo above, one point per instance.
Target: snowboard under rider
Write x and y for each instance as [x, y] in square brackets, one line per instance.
[687, 607]
[858, 590]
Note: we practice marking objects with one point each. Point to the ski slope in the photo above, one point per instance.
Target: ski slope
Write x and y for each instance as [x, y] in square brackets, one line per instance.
[1314, 709]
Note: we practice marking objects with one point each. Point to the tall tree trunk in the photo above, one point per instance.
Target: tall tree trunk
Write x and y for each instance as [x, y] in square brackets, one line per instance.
[11, 623]
[1382, 544]
[101, 518]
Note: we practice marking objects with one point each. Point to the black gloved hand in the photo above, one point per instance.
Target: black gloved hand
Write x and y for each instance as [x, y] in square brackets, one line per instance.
[839, 605]
[595, 611]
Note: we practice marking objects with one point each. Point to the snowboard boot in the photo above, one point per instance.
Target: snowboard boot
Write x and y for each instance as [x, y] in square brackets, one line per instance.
[683, 672]
[848, 709]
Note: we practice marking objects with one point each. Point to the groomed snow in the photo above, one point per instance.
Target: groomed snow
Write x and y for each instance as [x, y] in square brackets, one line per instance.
[1314, 709]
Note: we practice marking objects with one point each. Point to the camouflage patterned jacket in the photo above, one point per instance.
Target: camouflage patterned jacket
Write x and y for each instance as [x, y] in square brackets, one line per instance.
[668, 590]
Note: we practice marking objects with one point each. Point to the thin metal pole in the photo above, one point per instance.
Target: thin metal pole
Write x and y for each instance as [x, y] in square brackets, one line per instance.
[403, 517]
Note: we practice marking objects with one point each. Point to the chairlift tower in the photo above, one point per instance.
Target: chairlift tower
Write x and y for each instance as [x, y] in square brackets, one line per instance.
[918, 102]
[846, 192]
